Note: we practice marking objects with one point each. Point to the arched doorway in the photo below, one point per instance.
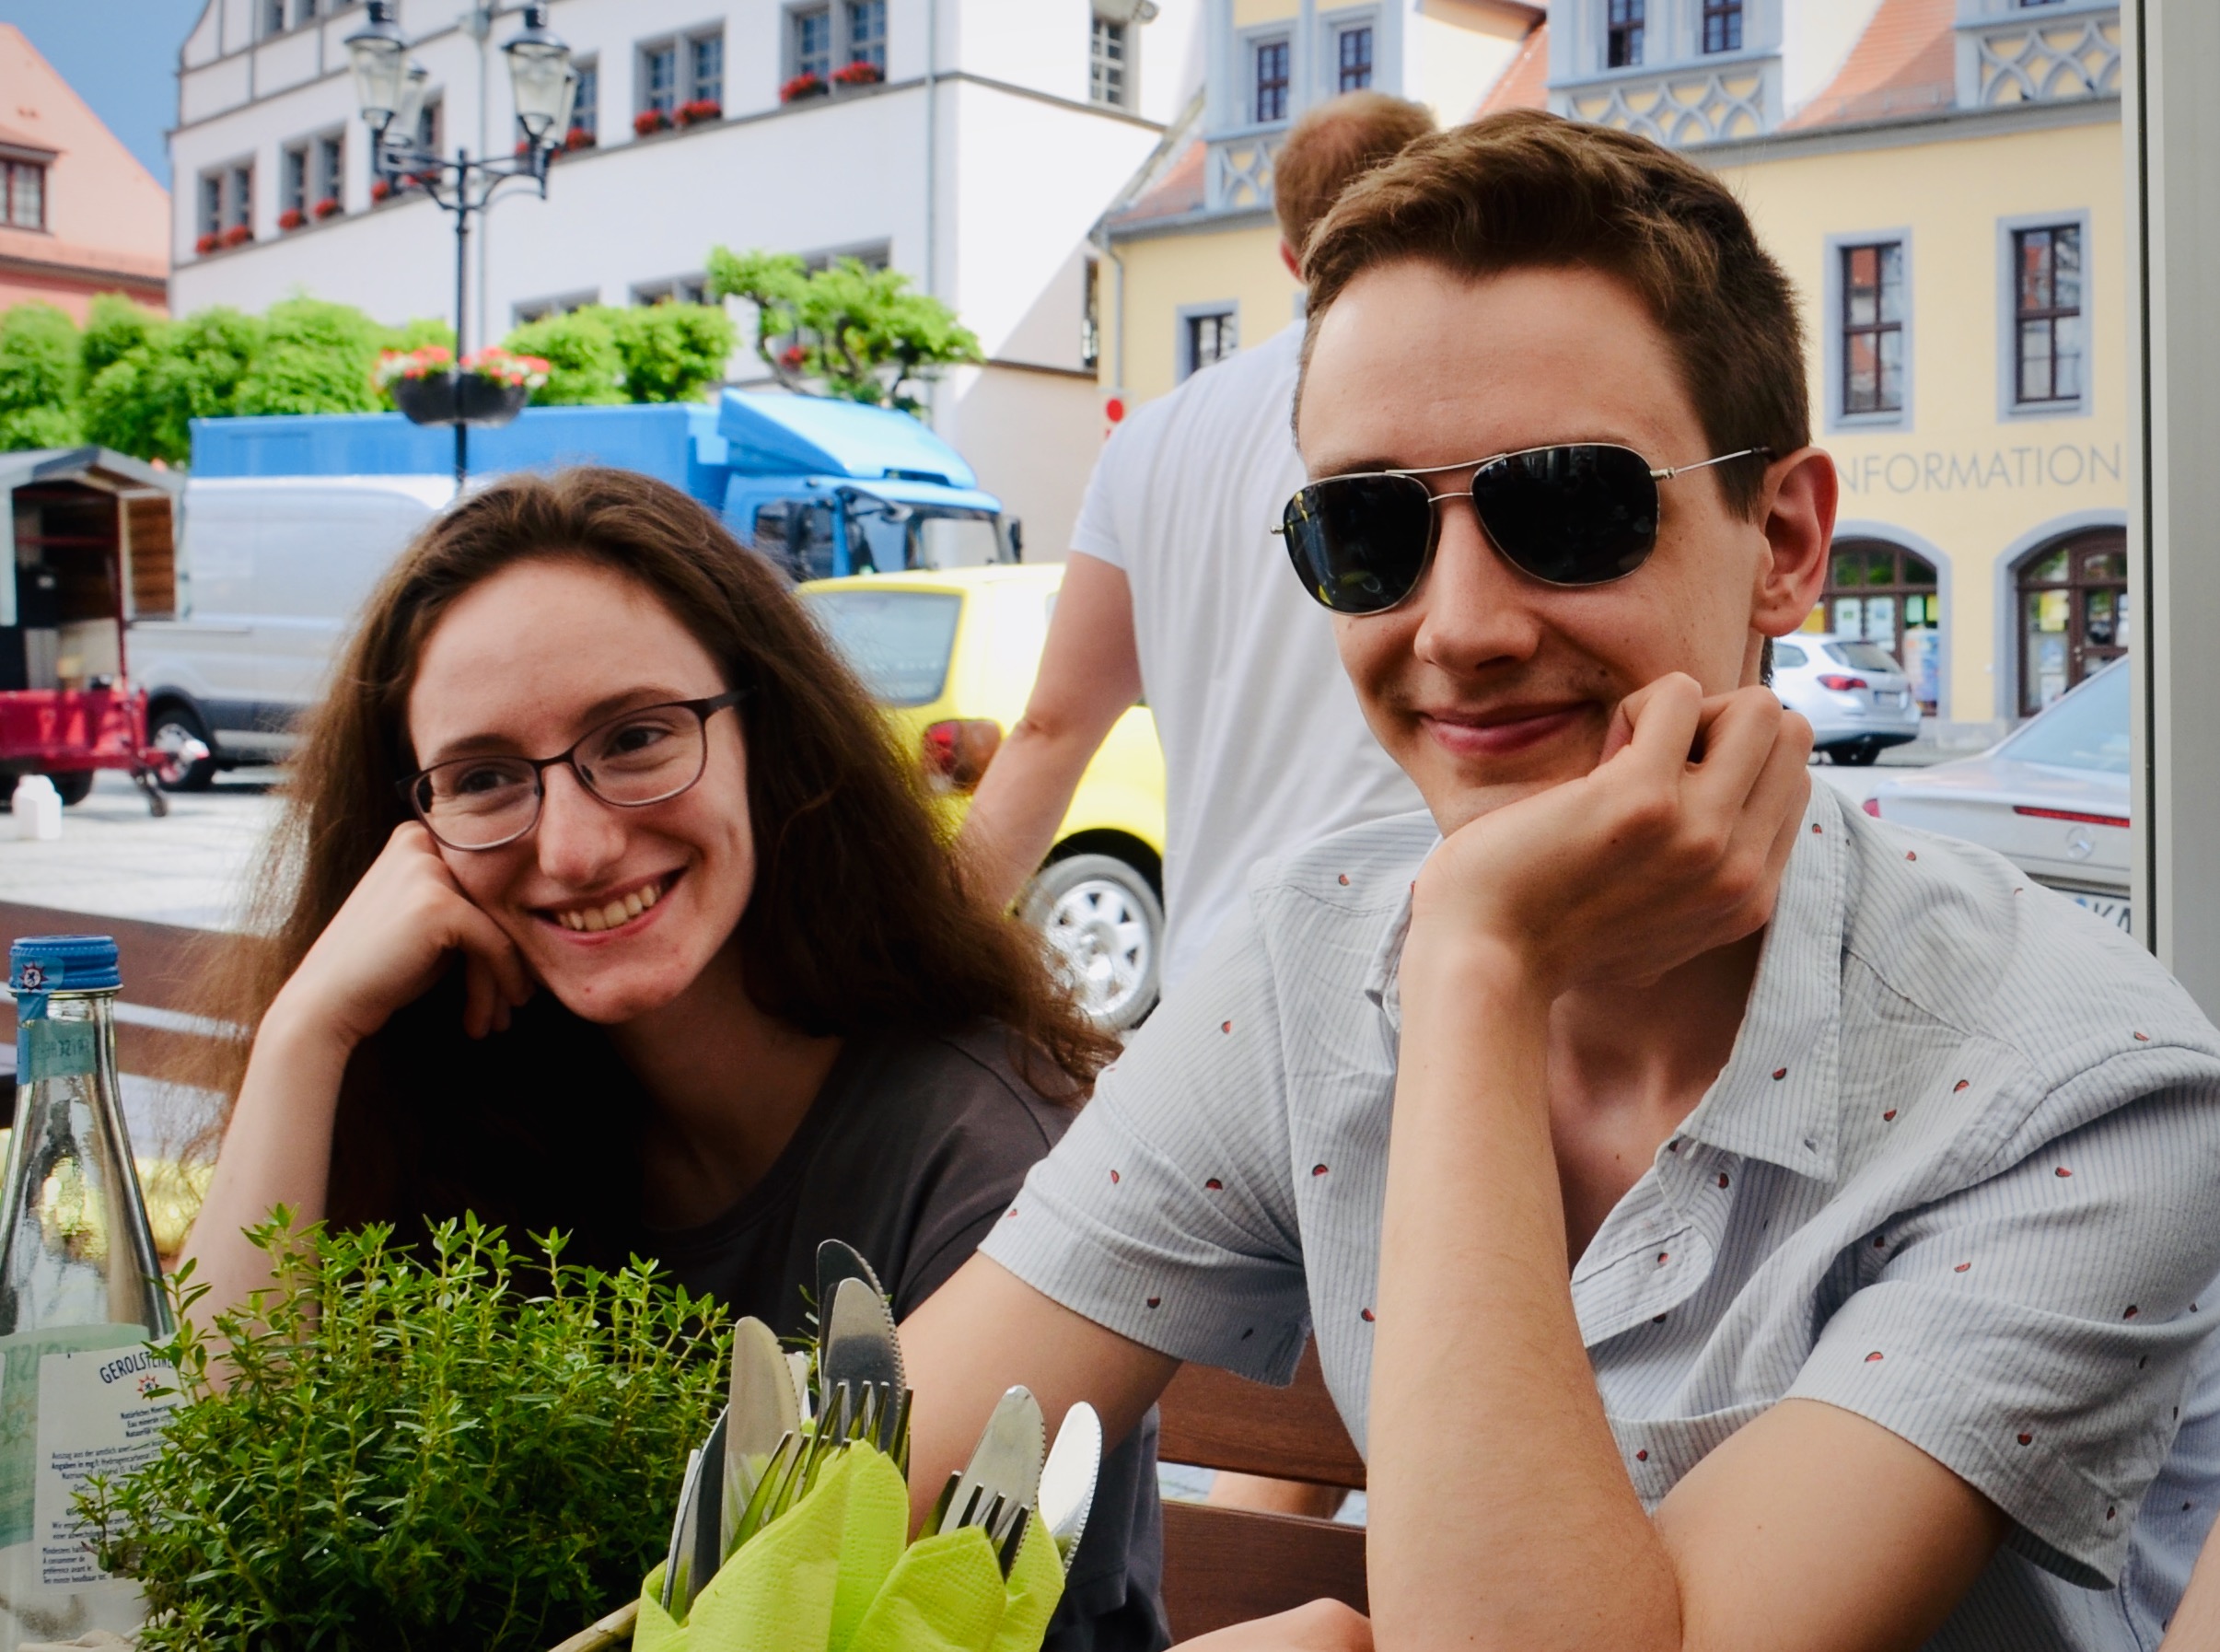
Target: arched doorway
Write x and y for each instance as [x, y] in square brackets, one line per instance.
[1886, 594]
[2074, 616]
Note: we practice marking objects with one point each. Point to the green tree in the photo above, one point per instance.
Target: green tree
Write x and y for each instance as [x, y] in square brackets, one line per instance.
[585, 368]
[114, 326]
[848, 331]
[670, 351]
[40, 369]
[315, 357]
[142, 402]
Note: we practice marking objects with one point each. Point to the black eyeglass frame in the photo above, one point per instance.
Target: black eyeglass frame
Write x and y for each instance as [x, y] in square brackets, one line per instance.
[568, 758]
[1657, 473]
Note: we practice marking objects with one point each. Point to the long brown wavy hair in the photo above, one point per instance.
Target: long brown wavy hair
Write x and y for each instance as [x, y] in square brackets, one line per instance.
[858, 924]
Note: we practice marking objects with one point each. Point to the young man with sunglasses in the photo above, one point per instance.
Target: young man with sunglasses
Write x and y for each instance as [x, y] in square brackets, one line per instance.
[1725, 1220]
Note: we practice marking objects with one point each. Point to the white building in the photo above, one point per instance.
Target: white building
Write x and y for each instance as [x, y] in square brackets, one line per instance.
[999, 133]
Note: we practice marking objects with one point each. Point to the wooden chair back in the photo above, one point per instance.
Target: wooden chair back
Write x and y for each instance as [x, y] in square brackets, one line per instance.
[1227, 1565]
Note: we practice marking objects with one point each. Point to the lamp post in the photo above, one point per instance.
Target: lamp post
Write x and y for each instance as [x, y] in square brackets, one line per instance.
[390, 91]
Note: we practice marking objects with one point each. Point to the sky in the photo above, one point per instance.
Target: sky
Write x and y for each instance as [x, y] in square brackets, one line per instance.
[122, 58]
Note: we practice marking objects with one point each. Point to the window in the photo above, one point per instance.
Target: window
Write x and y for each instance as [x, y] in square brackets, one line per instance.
[659, 79]
[2046, 314]
[1271, 104]
[1207, 335]
[241, 204]
[331, 167]
[212, 203]
[868, 33]
[706, 69]
[226, 203]
[813, 41]
[1622, 21]
[585, 110]
[273, 16]
[1721, 25]
[679, 289]
[2072, 614]
[1352, 53]
[1090, 318]
[1873, 328]
[293, 180]
[539, 310]
[1880, 595]
[431, 125]
[873, 255]
[1106, 63]
[26, 183]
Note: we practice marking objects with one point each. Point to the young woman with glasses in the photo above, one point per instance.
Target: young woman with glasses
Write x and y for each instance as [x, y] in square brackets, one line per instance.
[603, 902]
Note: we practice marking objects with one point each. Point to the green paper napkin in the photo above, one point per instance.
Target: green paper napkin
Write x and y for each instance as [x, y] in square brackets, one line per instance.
[946, 1595]
[656, 1631]
[1036, 1585]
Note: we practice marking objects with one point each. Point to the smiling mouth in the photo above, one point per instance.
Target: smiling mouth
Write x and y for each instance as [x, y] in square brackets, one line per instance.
[613, 914]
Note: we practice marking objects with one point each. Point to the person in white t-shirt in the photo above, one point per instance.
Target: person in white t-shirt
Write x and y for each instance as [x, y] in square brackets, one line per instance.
[1177, 591]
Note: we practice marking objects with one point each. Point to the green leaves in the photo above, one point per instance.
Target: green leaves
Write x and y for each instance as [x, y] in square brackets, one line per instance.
[600, 356]
[848, 331]
[468, 1446]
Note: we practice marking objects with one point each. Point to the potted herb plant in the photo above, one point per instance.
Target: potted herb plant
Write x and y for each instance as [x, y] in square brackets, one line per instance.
[461, 1446]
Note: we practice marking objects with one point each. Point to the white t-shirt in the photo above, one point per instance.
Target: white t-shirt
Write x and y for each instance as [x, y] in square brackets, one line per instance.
[1265, 748]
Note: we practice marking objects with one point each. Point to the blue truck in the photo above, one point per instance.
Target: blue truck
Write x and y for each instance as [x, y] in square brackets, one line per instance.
[288, 522]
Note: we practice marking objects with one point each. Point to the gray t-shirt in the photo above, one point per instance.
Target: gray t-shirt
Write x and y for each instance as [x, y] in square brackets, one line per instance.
[913, 1148]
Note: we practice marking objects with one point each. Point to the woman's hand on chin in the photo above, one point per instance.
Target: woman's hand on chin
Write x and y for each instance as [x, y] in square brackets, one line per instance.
[388, 944]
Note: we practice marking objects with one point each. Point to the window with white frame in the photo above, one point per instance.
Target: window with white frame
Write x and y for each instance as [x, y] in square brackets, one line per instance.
[679, 289]
[273, 16]
[585, 109]
[810, 27]
[431, 125]
[25, 185]
[1352, 58]
[868, 33]
[2047, 316]
[239, 199]
[1207, 334]
[872, 255]
[1106, 63]
[659, 78]
[226, 201]
[1722, 26]
[211, 204]
[1625, 24]
[1270, 60]
[705, 68]
[331, 168]
[292, 181]
[541, 309]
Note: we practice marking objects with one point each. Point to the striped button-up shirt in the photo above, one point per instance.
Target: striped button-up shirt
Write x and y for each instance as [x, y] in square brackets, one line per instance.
[1959, 1176]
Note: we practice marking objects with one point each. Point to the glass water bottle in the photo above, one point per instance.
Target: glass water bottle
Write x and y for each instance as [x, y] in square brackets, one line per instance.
[80, 1296]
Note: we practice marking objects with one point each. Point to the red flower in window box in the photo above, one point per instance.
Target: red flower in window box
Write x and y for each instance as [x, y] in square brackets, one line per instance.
[292, 218]
[208, 243]
[578, 138]
[803, 86]
[238, 234]
[701, 111]
[329, 207]
[859, 74]
[379, 189]
[649, 122]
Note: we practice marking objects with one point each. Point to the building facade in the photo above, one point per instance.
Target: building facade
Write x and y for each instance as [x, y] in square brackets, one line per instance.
[78, 215]
[970, 144]
[1943, 179]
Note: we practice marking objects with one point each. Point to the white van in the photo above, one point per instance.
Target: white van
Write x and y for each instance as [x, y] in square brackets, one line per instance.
[271, 575]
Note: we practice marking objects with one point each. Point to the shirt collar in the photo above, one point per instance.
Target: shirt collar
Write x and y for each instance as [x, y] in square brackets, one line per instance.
[1778, 1097]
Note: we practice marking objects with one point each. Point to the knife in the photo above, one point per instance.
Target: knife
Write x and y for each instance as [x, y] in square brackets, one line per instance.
[681, 1525]
[761, 1412]
[836, 1261]
[1067, 1480]
[1005, 1462]
[860, 1349]
[703, 1535]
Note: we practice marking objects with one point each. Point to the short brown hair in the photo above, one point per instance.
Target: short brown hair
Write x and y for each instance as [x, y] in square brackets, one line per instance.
[1523, 188]
[1332, 147]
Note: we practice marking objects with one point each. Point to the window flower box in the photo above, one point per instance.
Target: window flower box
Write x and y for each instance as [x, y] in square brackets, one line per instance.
[577, 138]
[330, 206]
[856, 73]
[701, 111]
[380, 189]
[803, 86]
[238, 234]
[292, 218]
[208, 243]
[649, 122]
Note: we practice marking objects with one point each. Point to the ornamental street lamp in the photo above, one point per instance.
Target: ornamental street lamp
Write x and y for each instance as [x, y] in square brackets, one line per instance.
[390, 91]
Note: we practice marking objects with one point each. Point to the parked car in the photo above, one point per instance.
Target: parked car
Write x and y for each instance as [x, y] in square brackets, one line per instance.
[951, 655]
[272, 573]
[1855, 696]
[2051, 797]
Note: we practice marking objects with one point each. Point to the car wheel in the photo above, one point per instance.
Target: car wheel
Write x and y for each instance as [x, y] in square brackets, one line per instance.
[1105, 929]
[173, 726]
[1859, 756]
[74, 786]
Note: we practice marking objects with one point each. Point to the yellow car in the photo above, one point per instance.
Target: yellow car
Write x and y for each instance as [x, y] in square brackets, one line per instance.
[951, 655]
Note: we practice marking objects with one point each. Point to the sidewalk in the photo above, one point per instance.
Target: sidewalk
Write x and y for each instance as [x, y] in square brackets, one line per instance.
[114, 860]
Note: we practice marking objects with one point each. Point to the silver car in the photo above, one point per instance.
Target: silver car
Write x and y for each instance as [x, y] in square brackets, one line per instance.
[1855, 695]
[2053, 797]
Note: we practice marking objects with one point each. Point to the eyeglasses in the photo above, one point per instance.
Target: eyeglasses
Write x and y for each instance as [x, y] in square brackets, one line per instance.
[642, 756]
[1581, 513]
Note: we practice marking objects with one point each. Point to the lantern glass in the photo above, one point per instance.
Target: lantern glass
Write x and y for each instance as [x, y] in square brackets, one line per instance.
[539, 77]
[378, 56]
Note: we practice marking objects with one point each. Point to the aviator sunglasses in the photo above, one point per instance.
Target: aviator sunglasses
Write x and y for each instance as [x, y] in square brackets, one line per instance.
[1580, 513]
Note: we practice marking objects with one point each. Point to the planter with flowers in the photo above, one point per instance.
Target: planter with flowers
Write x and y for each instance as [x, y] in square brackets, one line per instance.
[292, 218]
[208, 242]
[491, 388]
[700, 111]
[577, 138]
[238, 234]
[803, 86]
[849, 76]
[649, 122]
[381, 191]
[330, 206]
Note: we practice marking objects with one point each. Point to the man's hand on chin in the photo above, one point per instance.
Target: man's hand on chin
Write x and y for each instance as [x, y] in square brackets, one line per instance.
[1321, 1627]
[1669, 847]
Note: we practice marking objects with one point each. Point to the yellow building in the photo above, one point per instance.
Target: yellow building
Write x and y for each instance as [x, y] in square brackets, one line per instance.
[1943, 180]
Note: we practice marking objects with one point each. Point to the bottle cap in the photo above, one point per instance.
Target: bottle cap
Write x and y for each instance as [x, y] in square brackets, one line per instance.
[62, 963]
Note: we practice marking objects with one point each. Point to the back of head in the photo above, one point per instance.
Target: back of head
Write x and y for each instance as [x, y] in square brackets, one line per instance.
[1525, 190]
[1334, 145]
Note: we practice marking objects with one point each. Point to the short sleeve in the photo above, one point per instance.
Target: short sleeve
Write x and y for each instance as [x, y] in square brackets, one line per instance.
[1167, 1212]
[1095, 532]
[2036, 1332]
